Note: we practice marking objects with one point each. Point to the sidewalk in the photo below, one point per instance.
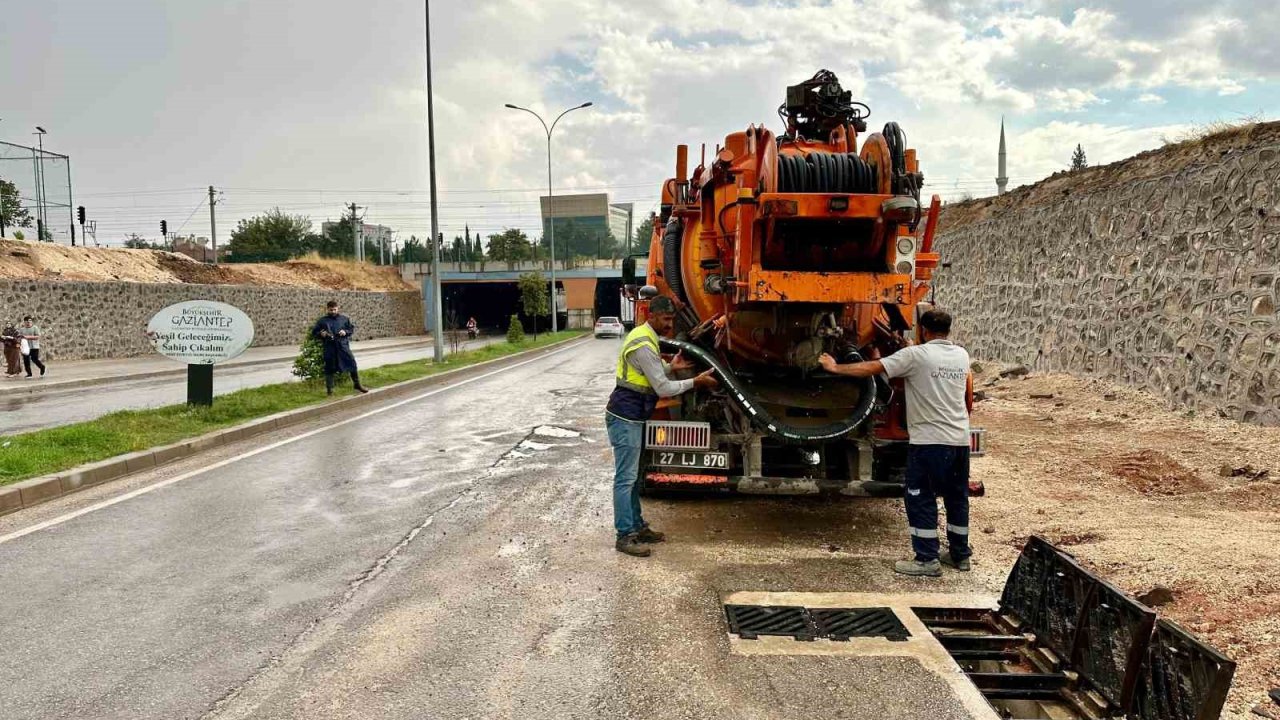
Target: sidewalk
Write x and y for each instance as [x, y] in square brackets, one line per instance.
[79, 373]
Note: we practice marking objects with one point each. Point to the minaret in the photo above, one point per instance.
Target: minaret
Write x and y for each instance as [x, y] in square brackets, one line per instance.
[1003, 178]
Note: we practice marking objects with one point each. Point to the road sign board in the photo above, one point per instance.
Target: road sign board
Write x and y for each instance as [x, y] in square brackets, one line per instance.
[200, 332]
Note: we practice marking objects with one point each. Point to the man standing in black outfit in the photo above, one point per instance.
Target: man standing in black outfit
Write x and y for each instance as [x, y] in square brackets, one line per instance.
[334, 330]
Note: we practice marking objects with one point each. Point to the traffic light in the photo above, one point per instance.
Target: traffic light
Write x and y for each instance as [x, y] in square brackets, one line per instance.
[164, 228]
[80, 214]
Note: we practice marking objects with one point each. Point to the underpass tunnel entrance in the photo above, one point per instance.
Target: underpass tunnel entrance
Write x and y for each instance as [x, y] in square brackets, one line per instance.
[608, 297]
[491, 303]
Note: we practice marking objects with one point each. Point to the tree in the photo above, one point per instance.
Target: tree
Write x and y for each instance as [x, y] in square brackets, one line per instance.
[273, 236]
[533, 297]
[12, 214]
[337, 241]
[1078, 160]
[414, 251]
[515, 331]
[643, 236]
[510, 245]
[134, 241]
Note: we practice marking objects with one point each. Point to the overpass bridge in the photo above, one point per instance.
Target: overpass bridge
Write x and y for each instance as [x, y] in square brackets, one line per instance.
[487, 290]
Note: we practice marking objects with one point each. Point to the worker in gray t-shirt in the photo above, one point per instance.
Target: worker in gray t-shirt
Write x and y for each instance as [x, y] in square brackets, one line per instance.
[939, 397]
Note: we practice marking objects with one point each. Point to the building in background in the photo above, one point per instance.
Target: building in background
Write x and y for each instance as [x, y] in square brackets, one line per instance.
[372, 233]
[587, 221]
[197, 248]
[620, 215]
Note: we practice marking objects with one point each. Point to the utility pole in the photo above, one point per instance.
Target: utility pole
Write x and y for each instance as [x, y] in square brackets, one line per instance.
[357, 232]
[437, 319]
[213, 224]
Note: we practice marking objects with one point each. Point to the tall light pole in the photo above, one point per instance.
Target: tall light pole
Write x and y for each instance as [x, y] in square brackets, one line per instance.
[42, 223]
[437, 313]
[551, 211]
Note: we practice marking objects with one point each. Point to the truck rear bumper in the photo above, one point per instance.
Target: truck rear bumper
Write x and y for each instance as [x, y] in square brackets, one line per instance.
[660, 481]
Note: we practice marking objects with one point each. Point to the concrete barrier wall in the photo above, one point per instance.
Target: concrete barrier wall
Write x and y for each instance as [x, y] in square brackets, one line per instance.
[1167, 282]
[84, 320]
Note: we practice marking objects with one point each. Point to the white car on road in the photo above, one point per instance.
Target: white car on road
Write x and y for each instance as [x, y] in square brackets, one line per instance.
[609, 327]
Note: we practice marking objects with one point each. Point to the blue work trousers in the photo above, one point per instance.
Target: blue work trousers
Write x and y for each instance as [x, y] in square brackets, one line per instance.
[934, 470]
[627, 439]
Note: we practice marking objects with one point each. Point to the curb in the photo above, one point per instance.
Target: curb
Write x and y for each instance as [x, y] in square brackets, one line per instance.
[31, 492]
[42, 387]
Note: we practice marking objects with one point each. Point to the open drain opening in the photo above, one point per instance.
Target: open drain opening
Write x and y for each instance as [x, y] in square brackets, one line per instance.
[1066, 645]
[749, 622]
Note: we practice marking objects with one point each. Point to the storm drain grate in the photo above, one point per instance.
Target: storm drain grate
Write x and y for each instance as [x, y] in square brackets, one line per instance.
[845, 623]
[751, 621]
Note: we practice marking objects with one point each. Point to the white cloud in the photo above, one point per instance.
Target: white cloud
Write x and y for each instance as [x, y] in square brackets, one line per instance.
[1151, 99]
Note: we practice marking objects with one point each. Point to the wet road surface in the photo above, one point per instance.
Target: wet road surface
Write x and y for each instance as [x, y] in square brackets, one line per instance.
[55, 407]
[448, 556]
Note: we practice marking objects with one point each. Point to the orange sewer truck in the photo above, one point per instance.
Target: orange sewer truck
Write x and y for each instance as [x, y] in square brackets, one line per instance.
[777, 250]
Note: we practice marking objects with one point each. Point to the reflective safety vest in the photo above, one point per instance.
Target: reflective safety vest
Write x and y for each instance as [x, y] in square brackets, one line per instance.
[629, 376]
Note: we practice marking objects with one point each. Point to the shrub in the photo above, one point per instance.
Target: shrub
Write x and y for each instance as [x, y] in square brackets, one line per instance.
[309, 365]
[515, 331]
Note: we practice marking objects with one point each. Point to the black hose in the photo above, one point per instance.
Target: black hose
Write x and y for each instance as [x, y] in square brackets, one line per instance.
[672, 237]
[761, 418]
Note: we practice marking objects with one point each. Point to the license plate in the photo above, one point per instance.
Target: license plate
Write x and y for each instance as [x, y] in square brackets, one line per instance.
[691, 459]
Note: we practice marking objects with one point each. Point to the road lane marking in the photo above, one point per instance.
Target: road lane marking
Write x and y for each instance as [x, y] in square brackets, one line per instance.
[265, 448]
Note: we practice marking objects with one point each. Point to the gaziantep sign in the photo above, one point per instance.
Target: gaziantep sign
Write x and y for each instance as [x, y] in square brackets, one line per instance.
[200, 332]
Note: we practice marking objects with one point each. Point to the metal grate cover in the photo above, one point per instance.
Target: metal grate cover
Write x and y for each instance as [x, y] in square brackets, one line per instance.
[751, 621]
[1025, 586]
[845, 623]
[1181, 678]
[1112, 637]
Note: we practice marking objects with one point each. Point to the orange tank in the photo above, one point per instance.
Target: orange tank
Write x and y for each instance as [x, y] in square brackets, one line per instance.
[781, 248]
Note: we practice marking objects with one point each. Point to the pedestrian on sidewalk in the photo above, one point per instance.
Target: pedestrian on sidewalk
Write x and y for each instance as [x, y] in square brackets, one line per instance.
[31, 333]
[641, 378]
[334, 331]
[12, 340]
[939, 399]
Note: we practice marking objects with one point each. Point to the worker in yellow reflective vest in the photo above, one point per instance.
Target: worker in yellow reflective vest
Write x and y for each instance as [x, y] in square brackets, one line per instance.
[642, 378]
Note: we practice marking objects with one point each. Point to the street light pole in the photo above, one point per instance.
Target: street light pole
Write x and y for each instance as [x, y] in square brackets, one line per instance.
[42, 221]
[551, 213]
[437, 314]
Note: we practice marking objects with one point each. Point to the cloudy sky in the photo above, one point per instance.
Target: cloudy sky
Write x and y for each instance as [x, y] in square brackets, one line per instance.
[309, 104]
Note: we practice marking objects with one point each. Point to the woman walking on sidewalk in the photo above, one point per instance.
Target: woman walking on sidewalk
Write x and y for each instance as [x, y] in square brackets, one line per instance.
[12, 340]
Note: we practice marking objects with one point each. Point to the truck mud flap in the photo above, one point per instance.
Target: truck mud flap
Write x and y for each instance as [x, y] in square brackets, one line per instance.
[1064, 636]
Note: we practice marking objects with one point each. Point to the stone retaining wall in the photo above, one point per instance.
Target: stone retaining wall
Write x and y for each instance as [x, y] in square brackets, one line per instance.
[83, 320]
[1168, 283]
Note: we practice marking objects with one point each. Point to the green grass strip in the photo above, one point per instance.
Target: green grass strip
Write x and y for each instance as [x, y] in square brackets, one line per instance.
[42, 452]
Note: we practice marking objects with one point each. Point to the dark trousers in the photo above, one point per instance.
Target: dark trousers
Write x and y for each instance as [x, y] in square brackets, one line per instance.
[328, 380]
[34, 357]
[934, 470]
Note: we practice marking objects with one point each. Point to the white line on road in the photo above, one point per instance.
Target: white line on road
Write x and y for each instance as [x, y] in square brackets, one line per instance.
[265, 448]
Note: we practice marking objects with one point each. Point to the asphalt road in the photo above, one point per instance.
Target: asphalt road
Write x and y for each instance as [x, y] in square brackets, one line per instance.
[444, 556]
[55, 407]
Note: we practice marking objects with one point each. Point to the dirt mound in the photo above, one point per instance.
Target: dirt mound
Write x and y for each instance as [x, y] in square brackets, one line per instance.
[1151, 472]
[1152, 163]
[23, 260]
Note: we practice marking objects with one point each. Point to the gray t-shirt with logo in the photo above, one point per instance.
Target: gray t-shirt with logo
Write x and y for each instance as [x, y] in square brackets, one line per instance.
[936, 375]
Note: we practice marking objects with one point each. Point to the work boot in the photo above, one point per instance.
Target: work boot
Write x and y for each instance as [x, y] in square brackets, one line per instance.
[918, 568]
[630, 544]
[649, 535]
[961, 565]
